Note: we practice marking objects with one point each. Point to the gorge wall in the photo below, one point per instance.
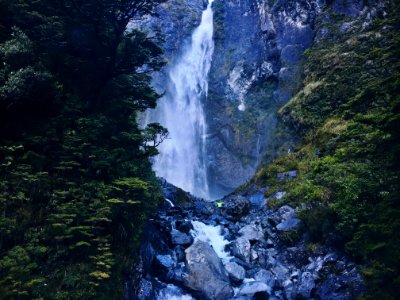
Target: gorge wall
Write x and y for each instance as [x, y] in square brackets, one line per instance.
[256, 69]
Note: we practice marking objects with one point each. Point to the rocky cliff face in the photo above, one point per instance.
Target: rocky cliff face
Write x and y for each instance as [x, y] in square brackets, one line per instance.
[257, 68]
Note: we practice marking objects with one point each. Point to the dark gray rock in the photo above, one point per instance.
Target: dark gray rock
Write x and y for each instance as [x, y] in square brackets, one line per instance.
[297, 256]
[242, 263]
[205, 273]
[350, 8]
[289, 174]
[306, 286]
[252, 232]
[166, 261]
[291, 54]
[281, 273]
[254, 287]
[266, 276]
[241, 249]
[282, 214]
[236, 207]
[346, 286]
[315, 264]
[258, 200]
[288, 224]
[163, 267]
[145, 290]
[289, 288]
[184, 225]
[180, 253]
[330, 258]
[180, 238]
[235, 271]
[264, 29]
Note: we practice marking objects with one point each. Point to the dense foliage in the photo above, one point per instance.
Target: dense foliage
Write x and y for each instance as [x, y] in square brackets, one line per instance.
[348, 113]
[76, 184]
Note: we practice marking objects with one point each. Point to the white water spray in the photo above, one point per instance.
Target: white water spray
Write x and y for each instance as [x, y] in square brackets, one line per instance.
[182, 157]
[211, 235]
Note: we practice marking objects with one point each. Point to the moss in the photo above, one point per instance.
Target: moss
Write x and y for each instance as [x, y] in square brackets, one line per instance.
[347, 114]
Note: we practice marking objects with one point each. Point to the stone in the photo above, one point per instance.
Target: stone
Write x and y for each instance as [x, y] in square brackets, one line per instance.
[180, 238]
[179, 271]
[237, 207]
[288, 224]
[282, 214]
[205, 273]
[184, 226]
[236, 272]
[281, 273]
[242, 263]
[258, 200]
[306, 286]
[241, 248]
[145, 290]
[252, 232]
[347, 285]
[330, 258]
[163, 267]
[254, 287]
[180, 252]
[293, 173]
[315, 265]
[350, 8]
[297, 256]
[290, 289]
[340, 266]
[270, 243]
[266, 276]
[253, 255]
[291, 54]
[166, 261]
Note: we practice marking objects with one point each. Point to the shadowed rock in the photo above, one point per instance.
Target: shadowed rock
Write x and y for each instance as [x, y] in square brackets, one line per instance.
[205, 273]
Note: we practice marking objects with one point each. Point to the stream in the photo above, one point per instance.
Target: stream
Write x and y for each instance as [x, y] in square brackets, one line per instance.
[243, 250]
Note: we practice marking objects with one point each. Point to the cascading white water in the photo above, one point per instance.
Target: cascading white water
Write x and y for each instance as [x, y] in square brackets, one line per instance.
[182, 156]
[211, 235]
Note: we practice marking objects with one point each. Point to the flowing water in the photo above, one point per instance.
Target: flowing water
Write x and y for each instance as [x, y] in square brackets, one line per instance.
[182, 158]
[213, 236]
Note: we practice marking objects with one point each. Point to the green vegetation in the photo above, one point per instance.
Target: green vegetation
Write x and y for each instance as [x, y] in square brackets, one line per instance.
[76, 185]
[348, 161]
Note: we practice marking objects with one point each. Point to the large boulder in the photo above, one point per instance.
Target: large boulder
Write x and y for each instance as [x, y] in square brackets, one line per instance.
[205, 273]
[236, 207]
[241, 249]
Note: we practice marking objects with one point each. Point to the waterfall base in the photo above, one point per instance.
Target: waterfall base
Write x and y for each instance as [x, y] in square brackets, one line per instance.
[241, 250]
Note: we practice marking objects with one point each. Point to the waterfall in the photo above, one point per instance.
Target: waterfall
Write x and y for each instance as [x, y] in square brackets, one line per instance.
[182, 159]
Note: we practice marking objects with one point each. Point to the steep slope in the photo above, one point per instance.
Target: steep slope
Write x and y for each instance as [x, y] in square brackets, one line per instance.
[347, 114]
[257, 66]
[76, 184]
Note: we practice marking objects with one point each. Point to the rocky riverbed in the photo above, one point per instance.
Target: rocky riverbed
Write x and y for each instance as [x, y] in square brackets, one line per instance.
[193, 249]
